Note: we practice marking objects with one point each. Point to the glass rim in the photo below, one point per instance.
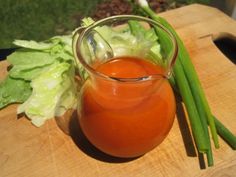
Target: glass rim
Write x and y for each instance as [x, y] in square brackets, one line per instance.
[82, 31]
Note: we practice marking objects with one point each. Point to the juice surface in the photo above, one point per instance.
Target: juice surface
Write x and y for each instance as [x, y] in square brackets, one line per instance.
[126, 119]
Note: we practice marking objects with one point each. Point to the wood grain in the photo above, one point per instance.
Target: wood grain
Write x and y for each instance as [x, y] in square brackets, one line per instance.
[27, 151]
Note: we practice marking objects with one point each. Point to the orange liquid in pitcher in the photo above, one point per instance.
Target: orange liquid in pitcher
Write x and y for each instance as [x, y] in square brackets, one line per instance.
[126, 119]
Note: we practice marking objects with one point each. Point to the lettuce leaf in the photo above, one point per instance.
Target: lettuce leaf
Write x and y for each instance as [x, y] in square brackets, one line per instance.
[30, 58]
[13, 91]
[132, 40]
[28, 74]
[33, 44]
[48, 89]
[43, 73]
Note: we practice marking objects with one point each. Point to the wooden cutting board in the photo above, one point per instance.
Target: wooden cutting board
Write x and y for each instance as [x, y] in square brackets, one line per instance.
[27, 151]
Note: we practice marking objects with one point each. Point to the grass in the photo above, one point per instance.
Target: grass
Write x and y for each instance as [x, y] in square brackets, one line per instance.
[40, 19]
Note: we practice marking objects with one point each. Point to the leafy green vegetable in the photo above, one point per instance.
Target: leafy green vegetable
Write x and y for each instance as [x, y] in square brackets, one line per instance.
[20, 72]
[123, 41]
[33, 44]
[28, 64]
[43, 73]
[148, 36]
[13, 91]
[48, 89]
[30, 58]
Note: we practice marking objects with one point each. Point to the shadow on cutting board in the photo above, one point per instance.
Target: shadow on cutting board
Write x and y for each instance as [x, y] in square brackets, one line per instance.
[185, 130]
[186, 134]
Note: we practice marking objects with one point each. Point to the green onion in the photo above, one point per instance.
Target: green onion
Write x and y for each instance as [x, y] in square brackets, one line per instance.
[190, 73]
[199, 133]
[199, 129]
[189, 86]
[225, 134]
[185, 91]
[186, 79]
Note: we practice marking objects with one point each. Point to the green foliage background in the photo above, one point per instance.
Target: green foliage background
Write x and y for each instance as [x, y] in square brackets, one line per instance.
[40, 19]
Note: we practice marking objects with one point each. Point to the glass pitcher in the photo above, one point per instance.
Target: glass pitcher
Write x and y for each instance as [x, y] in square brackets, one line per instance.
[127, 106]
